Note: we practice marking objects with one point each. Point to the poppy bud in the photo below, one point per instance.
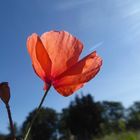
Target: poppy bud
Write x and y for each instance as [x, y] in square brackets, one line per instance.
[4, 92]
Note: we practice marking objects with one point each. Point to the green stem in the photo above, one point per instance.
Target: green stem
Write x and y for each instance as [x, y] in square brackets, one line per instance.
[38, 110]
[11, 122]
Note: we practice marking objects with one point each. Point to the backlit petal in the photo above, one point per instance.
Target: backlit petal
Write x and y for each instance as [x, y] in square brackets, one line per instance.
[80, 73]
[40, 59]
[63, 49]
[68, 90]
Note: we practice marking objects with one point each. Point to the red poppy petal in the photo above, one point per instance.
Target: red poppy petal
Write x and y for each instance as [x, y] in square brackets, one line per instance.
[80, 73]
[43, 57]
[40, 59]
[68, 90]
[63, 49]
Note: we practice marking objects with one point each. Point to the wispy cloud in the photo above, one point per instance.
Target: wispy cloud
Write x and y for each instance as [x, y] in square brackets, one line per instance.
[131, 13]
[96, 46]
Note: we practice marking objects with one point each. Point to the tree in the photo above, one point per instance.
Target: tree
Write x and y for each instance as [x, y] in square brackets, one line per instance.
[113, 115]
[63, 127]
[83, 118]
[44, 125]
[134, 116]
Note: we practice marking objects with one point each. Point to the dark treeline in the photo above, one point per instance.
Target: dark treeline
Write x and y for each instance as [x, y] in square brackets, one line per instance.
[84, 119]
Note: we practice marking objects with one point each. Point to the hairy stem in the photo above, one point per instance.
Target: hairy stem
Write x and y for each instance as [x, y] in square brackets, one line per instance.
[11, 122]
[37, 112]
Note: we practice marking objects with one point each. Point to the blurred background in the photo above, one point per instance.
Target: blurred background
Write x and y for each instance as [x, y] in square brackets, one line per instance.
[112, 28]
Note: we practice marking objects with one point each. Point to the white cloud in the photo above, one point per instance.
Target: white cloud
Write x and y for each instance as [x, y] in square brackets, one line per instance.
[96, 46]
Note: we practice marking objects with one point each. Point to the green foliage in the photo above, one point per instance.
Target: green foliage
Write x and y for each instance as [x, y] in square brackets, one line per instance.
[112, 110]
[134, 116]
[122, 125]
[82, 118]
[122, 136]
[63, 125]
[113, 115]
[44, 126]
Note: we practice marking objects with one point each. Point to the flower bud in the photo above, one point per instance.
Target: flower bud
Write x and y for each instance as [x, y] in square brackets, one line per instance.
[4, 92]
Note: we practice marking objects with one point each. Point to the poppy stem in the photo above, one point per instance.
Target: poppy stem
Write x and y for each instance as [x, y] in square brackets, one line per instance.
[11, 122]
[35, 116]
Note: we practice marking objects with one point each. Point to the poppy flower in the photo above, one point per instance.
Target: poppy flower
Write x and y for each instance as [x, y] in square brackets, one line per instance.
[4, 92]
[55, 59]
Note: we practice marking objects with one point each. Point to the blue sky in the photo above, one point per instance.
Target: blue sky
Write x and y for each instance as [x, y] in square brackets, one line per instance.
[111, 27]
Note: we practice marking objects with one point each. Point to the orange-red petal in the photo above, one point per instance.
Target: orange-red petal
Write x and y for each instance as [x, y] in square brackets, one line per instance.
[40, 58]
[63, 49]
[68, 90]
[77, 75]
